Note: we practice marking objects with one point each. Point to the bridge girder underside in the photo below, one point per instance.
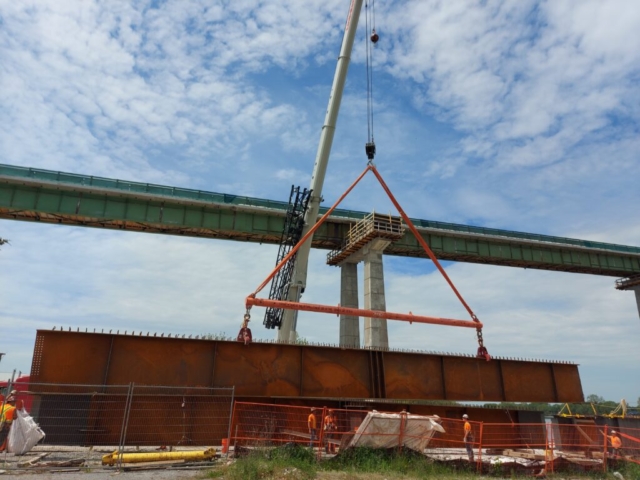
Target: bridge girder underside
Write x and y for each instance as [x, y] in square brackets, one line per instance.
[330, 237]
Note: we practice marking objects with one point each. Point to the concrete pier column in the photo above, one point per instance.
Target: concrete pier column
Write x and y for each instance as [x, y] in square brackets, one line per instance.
[637, 292]
[349, 324]
[375, 329]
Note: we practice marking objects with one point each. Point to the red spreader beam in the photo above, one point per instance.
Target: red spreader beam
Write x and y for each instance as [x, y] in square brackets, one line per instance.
[356, 312]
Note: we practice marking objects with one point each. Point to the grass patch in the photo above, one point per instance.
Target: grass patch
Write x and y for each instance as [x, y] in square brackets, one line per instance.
[404, 462]
[291, 461]
[299, 463]
[295, 462]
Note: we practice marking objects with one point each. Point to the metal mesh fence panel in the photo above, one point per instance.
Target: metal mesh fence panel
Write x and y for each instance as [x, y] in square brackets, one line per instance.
[630, 444]
[78, 414]
[178, 416]
[88, 415]
[331, 430]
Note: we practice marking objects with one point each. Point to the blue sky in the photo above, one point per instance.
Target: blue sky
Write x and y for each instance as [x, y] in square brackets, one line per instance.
[520, 115]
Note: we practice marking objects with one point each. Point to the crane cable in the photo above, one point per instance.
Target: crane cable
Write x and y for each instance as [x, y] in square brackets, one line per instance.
[370, 19]
[370, 149]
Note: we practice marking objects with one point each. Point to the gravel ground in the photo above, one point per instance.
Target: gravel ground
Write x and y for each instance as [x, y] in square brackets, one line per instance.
[92, 468]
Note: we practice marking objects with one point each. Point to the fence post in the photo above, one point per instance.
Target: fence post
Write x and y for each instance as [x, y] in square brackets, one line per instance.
[604, 452]
[403, 419]
[125, 424]
[321, 433]
[232, 410]
[479, 461]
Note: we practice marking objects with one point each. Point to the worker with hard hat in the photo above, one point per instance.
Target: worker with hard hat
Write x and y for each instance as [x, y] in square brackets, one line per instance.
[6, 419]
[468, 437]
[329, 427]
[312, 424]
[616, 443]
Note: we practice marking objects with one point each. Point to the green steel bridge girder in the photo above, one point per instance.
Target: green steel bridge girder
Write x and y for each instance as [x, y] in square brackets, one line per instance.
[126, 206]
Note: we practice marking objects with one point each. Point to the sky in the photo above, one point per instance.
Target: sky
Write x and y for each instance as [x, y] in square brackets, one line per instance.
[515, 114]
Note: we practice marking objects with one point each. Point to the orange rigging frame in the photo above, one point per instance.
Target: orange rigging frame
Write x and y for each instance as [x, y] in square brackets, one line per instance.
[251, 300]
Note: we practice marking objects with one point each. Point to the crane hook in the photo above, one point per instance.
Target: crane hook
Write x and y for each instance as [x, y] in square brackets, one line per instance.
[374, 36]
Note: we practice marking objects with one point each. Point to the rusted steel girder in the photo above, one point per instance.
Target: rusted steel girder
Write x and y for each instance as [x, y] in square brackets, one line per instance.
[297, 371]
[358, 312]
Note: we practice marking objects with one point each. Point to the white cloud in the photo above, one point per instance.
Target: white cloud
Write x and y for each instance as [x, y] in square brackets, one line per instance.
[516, 114]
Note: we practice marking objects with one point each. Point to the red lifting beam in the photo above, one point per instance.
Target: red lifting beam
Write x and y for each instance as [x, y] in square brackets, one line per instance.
[356, 312]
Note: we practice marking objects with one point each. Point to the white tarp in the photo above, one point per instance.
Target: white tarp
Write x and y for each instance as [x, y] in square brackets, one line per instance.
[24, 433]
[388, 430]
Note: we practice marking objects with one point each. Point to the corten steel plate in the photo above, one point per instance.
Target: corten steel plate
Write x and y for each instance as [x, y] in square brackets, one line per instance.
[281, 370]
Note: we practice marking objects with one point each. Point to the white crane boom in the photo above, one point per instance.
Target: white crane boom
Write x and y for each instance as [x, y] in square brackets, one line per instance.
[287, 332]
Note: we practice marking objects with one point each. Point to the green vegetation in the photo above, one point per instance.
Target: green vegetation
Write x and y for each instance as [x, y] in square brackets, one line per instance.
[299, 463]
[216, 336]
[290, 461]
[594, 404]
[296, 462]
[405, 463]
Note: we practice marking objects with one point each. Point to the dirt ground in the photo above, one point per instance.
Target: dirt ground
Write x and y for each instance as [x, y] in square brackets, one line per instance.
[92, 468]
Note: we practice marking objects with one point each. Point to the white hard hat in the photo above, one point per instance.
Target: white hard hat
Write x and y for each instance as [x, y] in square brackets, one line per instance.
[613, 431]
[465, 416]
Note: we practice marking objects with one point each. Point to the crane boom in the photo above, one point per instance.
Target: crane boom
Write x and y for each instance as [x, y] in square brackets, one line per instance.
[287, 332]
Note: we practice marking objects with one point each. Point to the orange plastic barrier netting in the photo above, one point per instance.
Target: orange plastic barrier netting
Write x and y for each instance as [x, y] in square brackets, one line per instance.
[548, 445]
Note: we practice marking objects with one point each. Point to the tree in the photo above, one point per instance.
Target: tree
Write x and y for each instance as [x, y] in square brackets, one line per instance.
[593, 398]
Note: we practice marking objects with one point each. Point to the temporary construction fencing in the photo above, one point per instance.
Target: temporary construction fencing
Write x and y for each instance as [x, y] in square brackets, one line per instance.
[331, 428]
[526, 445]
[139, 415]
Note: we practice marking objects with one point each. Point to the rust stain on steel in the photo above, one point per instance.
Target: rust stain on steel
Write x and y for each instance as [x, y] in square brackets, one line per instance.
[297, 371]
[330, 372]
[270, 370]
[160, 361]
[402, 381]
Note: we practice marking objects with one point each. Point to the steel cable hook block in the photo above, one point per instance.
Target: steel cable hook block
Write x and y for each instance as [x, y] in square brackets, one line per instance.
[370, 150]
[244, 335]
[482, 350]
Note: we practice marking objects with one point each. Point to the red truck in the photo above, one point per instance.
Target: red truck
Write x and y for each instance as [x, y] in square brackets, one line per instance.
[20, 384]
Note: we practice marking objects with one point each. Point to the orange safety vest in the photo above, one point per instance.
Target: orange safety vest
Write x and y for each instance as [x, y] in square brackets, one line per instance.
[311, 421]
[8, 413]
[329, 423]
[615, 441]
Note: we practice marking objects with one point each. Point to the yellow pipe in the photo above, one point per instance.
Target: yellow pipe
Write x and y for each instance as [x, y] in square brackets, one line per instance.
[188, 456]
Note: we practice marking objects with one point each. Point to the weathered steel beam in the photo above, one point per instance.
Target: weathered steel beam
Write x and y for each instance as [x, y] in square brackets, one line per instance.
[296, 371]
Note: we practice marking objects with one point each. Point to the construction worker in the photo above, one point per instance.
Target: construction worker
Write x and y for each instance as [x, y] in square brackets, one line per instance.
[329, 428]
[312, 423]
[468, 437]
[244, 335]
[6, 419]
[616, 443]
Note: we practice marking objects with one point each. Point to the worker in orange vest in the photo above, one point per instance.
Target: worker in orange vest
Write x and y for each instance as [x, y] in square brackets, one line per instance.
[329, 428]
[312, 423]
[6, 419]
[616, 443]
[468, 437]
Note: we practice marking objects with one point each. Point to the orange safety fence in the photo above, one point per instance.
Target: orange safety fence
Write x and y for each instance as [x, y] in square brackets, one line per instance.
[550, 445]
[256, 424]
